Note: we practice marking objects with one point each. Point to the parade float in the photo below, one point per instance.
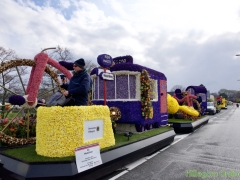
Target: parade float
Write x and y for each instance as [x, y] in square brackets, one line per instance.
[221, 102]
[187, 109]
[66, 136]
[139, 92]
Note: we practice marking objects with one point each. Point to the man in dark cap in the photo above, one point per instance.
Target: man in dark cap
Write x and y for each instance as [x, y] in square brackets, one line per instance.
[79, 85]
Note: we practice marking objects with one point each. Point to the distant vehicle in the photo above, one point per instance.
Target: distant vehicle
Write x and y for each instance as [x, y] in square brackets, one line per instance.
[211, 109]
[230, 103]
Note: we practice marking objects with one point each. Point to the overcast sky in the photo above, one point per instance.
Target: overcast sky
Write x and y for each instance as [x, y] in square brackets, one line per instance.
[192, 42]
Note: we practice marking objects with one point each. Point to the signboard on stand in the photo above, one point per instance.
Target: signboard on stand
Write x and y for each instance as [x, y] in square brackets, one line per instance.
[87, 157]
[105, 61]
[107, 76]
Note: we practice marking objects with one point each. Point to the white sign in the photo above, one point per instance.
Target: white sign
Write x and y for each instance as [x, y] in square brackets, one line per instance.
[87, 157]
[107, 76]
[102, 70]
[93, 130]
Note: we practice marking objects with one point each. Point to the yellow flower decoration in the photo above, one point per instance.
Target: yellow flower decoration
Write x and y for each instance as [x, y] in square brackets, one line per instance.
[60, 130]
[173, 105]
[189, 110]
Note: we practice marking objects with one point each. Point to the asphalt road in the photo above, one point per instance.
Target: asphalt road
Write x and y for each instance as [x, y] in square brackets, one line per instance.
[211, 152]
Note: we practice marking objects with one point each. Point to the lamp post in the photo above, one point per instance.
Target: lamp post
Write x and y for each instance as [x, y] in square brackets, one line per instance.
[237, 54]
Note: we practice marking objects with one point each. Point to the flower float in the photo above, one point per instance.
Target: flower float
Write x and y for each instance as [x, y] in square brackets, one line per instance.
[174, 107]
[60, 130]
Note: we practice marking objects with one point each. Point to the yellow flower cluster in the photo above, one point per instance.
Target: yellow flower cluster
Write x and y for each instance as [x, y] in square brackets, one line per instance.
[60, 130]
[189, 110]
[173, 105]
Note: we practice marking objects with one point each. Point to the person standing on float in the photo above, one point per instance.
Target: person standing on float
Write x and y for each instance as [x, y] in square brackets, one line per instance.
[79, 85]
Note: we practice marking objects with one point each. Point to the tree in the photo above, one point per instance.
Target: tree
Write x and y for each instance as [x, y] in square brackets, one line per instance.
[11, 79]
[60, 54]
[177, 87]
[90, 65]
[224, 95]
[214, 94]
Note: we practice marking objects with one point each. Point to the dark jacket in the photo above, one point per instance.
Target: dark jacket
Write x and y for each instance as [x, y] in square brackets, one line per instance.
[79, 87]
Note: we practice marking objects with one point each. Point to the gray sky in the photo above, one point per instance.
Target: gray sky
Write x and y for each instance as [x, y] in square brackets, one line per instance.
[192, 42]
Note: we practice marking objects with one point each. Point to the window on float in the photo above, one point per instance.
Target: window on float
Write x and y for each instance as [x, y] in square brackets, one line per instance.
[125, 86]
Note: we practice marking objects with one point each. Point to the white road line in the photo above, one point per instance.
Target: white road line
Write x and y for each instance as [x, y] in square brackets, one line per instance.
[149, 157]
[180, 139]
[182, 135]
[118, 175]
[136, 163]
[164, 148]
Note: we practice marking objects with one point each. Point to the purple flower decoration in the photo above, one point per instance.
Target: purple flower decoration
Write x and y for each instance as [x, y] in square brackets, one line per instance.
[16, 100]
[67, 65]
[123, 59]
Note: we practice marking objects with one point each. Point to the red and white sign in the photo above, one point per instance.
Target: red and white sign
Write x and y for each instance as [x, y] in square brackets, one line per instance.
[88, 157]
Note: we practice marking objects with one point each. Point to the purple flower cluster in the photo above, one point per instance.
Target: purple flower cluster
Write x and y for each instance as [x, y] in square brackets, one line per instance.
[16, 100]
[67, 65]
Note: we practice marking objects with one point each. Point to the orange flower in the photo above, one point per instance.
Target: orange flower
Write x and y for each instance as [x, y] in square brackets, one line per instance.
[5, 121]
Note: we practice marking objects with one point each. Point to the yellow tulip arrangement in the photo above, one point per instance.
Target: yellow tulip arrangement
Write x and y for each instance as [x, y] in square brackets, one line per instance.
[60, 130]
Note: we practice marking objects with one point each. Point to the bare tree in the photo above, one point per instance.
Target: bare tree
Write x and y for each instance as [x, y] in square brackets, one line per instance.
[177, 87]
[90, 65]
[60, 54]
[10, 79]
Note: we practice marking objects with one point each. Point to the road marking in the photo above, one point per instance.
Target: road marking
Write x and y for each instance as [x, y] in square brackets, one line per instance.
[149, 157]
[164, 148]
[135, 163]
[181, 138]
[118, 175]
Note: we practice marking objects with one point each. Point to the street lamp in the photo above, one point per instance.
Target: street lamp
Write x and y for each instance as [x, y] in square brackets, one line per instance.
[237, 54]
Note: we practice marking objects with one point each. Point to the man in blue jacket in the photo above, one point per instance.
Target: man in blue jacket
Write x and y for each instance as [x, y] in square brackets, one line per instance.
[79, 85]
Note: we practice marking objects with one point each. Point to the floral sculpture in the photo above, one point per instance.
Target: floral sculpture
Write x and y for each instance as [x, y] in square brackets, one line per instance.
[147, 109]
[173, 105]
[60, 130]
[188, 111]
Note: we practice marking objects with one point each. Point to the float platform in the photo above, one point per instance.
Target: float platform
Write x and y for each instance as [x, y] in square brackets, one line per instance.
[112, 159]
[188, 127]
